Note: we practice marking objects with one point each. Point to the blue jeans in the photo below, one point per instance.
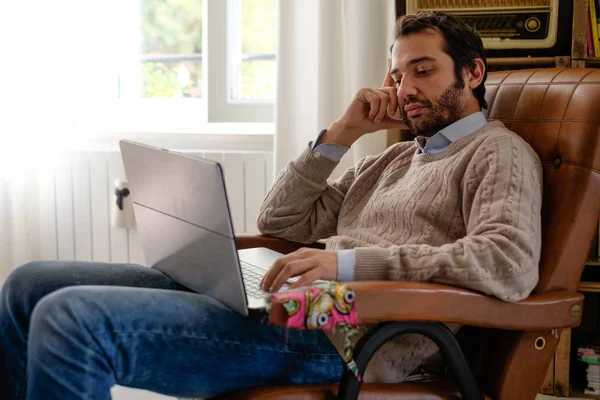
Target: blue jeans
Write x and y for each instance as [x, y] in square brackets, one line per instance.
[72, 330]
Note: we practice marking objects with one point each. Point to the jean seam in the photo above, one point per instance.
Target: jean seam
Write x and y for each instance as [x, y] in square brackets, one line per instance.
[86, 384]
[23, 386]
[217, 341]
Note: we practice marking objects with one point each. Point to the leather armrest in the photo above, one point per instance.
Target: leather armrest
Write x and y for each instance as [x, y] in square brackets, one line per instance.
[381, 301]
[273, 243]
[414, 301]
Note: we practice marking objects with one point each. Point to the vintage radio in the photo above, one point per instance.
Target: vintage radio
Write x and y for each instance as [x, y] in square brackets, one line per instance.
[505, 24]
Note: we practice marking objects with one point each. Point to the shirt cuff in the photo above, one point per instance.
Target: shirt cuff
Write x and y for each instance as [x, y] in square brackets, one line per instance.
[345, 267]
[332, 151]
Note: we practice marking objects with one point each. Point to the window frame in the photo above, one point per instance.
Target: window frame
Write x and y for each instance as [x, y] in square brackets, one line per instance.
[219, 42]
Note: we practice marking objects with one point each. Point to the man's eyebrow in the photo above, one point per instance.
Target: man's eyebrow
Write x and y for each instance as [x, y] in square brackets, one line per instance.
[413, 62]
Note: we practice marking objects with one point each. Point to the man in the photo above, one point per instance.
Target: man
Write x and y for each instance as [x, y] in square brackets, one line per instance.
[459, 206]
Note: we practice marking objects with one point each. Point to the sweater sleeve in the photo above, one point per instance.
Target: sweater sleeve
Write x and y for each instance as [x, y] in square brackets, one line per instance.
[302, 205]
[499, 255]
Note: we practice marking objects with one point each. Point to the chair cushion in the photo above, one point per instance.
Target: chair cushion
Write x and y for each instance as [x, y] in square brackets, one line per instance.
[431, 390]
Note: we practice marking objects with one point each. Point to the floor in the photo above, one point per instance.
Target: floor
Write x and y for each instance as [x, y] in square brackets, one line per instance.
[121, 393]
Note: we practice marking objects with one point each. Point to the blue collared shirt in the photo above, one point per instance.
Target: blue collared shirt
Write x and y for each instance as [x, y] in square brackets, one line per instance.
[463, 127]
[435, 144]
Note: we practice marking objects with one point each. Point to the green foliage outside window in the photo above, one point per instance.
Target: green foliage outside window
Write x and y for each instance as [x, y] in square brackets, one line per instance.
[171, 27]
[175, 27]
[258, 37]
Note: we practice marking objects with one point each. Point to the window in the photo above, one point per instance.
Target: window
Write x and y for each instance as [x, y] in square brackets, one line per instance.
[175, 60]
[242, 59]
[171, 50]
[252, 45]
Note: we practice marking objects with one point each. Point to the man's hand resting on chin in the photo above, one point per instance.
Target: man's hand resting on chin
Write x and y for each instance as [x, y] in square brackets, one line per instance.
[309, 264]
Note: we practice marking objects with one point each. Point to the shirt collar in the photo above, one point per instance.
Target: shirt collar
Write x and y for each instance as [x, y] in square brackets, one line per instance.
[442, 139]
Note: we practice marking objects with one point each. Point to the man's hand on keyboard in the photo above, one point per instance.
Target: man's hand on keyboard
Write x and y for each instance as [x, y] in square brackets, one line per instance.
[309, 264]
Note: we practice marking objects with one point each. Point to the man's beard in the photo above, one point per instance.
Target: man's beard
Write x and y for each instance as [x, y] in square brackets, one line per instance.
[447, 109]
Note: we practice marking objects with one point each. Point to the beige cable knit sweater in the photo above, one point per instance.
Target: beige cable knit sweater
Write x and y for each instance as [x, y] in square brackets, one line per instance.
[468, 216]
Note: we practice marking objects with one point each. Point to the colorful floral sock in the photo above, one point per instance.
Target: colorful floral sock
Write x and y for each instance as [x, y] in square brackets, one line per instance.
[327, 306]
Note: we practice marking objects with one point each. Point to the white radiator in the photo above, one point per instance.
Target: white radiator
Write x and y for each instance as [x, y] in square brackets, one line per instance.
[77, 192]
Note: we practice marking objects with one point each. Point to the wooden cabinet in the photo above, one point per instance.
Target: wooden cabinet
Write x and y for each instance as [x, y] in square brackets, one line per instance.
[563, 377]
[579, 50]
[557, 377]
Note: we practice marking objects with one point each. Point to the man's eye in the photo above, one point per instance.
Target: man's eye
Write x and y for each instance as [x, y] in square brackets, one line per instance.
[424, 72]
[398, 82]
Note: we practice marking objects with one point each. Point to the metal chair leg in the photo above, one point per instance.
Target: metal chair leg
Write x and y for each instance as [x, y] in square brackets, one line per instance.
[438, 332]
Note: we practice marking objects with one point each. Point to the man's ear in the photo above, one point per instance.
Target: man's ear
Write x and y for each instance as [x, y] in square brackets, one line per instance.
[388, 80]
[475, 75]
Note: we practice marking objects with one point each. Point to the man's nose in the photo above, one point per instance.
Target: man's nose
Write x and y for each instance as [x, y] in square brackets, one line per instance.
[406, 89]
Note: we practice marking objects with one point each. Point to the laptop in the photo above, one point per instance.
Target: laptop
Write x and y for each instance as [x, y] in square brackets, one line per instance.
[185, 227]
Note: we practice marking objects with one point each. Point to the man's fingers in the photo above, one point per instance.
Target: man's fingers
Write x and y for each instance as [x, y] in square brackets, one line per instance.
[307, 278]
[291, 269]
[373, 100]
[384, 101]
[273, 272]
[388, 80]
[382, 104]
[265, 283]
[275, 269]
[388, 104]
[392, 123]
[393, 107]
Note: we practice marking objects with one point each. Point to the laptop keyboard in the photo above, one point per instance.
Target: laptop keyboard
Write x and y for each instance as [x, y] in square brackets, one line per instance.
[252, 281]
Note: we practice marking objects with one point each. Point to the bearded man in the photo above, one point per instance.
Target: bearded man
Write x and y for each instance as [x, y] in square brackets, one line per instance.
[461, 205]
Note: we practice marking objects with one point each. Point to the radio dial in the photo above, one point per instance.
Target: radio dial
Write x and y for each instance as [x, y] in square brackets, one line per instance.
[532, 24]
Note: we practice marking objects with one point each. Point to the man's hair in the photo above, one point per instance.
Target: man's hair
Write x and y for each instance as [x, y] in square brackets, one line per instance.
[462, 43]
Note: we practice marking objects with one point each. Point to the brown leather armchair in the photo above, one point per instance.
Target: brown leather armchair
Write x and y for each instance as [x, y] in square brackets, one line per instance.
[509, 345]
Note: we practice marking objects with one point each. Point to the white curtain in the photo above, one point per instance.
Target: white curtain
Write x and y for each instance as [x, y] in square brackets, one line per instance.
[327, 51]
[34, 93]
[19, 233]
